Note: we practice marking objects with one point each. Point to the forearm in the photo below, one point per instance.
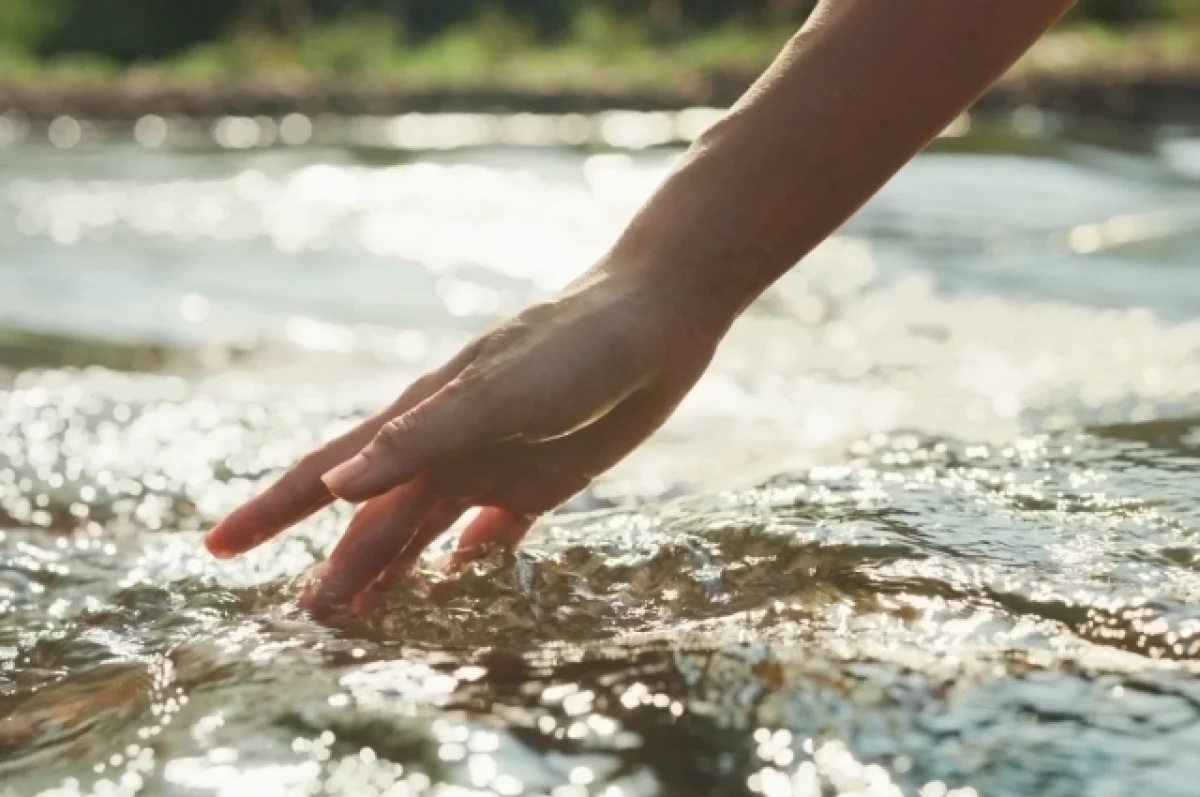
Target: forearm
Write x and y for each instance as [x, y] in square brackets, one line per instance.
[856, 93]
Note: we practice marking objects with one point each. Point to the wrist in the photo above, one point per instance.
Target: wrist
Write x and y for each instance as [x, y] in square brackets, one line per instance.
[714, 276]
[705, 235]
[704, 292]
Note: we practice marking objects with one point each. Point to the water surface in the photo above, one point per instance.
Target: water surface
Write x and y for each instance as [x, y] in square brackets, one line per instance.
[928, 527]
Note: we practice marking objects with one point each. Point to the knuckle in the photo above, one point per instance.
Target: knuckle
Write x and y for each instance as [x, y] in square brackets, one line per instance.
[423, 385]
[401, 433]
[417, 390]
[530, 318]
[478, 388]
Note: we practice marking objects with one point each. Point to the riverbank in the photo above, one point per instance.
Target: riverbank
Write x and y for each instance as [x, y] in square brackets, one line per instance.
[1149, 76]
[1142, 96]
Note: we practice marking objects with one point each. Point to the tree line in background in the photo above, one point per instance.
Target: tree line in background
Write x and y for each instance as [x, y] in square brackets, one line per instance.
[129, 30]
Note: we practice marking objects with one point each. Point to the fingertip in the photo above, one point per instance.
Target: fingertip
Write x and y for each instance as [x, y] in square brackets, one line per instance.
[241, 531]
[322, 596]
[310, 585]
[216, 542]
[348, 479]
[218, 552]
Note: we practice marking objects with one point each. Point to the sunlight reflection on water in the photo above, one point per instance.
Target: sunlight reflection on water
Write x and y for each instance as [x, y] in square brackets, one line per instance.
[918, 531]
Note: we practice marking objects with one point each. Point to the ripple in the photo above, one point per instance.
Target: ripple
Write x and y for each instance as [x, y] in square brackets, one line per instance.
[906, 537]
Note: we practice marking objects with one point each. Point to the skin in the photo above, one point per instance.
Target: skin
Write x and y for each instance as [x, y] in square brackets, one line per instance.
[534, 409]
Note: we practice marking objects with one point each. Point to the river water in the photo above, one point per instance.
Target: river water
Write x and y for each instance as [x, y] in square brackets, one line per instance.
[928, 526]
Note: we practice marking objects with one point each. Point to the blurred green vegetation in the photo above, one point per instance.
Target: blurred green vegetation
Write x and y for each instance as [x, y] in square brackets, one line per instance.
[532, 43]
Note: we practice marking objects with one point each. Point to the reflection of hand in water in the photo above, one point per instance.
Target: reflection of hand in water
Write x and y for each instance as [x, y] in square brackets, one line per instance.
[517, 423]
[531, 412]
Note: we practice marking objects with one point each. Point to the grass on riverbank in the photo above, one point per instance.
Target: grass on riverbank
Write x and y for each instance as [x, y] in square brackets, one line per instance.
[603, 54]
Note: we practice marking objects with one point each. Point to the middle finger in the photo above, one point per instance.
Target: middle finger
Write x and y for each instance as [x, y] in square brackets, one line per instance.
[379, 532]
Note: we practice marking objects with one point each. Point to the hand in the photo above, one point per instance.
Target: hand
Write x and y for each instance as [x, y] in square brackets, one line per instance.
[518, 422]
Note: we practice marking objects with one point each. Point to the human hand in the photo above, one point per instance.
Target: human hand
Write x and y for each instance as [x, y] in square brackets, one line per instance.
[519, 421]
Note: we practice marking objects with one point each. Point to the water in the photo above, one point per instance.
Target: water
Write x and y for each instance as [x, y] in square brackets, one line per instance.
[927, 527]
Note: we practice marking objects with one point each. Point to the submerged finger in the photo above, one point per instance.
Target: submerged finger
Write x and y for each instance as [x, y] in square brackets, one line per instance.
[433, 525]
[493, 527]
[378, 533]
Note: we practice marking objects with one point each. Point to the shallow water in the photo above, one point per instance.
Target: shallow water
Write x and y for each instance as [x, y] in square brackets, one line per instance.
[927, 527]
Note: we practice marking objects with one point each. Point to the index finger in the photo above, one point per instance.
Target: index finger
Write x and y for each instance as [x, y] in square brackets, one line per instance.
[293, 497]
[300, 491]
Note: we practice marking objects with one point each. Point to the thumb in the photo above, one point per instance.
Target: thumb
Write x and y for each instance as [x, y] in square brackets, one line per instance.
[450, 423]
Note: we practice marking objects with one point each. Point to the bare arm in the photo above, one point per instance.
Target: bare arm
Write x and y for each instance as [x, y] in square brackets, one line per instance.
[863, 87]
[532, 410]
